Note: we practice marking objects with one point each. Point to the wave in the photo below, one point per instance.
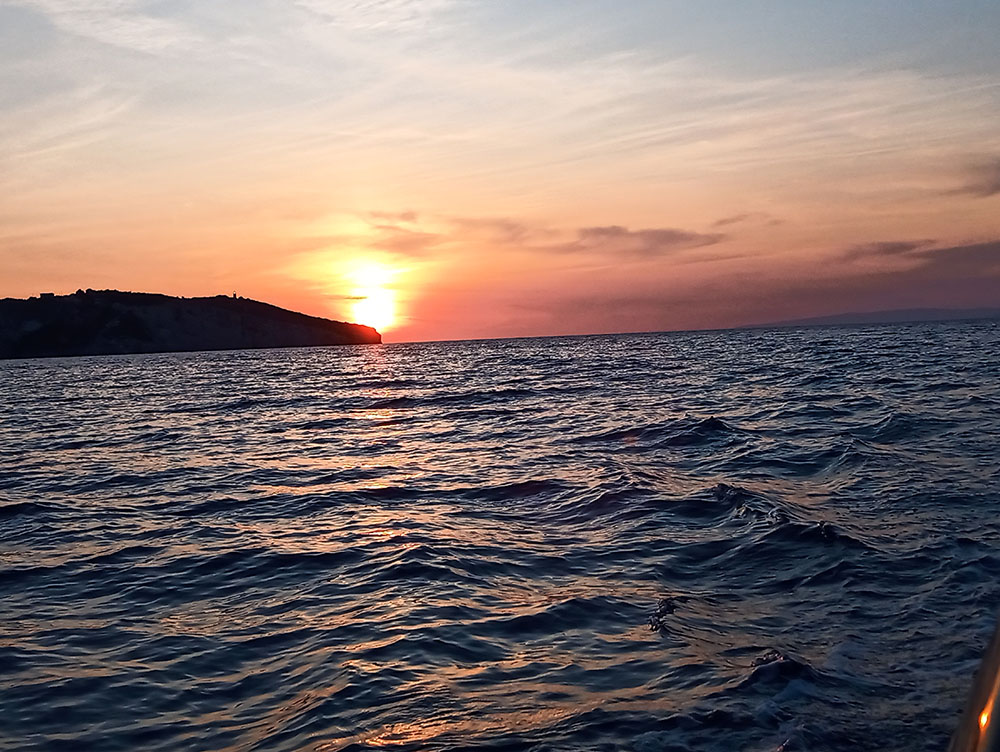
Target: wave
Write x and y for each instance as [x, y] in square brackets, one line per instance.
[898, 427]
[473, 398]
[775, 667]
[681, 432]
[25, 509]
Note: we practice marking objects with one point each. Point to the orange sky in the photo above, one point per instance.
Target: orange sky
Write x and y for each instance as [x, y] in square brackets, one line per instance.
[470, 171]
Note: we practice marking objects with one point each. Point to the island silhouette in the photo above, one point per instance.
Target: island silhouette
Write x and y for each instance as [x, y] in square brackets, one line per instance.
[111, 322]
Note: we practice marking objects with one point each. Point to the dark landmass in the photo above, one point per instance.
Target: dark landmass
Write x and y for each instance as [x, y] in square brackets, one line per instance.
[902, 316]
[109, 322]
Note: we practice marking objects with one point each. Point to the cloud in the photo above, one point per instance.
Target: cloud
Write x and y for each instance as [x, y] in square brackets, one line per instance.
[502, 233]
[39, 134]
[305, 94]
[472, 245]
[952, 277]
[747, 217]
[376, 239]
[404, 241]
[498, 230]
[119, 23]
[736, 219]
[507, 233]
[403, 216]
[377, 15]
[975, 262]
[645, 243]
[885, 249]
[983, 179]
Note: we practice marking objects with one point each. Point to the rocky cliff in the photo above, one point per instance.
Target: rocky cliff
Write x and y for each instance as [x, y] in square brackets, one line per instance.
[102, 322]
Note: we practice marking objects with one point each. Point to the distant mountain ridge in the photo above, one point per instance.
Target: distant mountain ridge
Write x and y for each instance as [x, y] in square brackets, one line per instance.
[107, 322]
[896, 316]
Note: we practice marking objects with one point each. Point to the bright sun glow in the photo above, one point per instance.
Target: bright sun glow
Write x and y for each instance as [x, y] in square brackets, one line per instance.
[376, 304]
[377, 309]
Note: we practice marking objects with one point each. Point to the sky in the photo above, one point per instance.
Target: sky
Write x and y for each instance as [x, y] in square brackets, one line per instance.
[448, 169]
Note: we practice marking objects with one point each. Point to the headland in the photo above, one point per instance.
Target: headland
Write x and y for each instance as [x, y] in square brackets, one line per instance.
[110, 322]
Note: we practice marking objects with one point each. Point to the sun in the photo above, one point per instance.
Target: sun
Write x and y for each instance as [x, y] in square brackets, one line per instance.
[376, 299]
[376, 309]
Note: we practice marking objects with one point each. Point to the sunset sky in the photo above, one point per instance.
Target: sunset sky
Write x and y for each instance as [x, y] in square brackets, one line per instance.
[463, 168]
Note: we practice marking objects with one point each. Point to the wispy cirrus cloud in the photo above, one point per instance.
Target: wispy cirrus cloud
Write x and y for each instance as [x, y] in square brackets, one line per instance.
[971, 263]
[885, 249]
[412, 236]
[500, 230]
[747, 217]
[641, 116]
[952, 276]
[121, 23]
[733, 220]
[35, 136]
[404, 241]
[615, 240]
[982, 179]
[946, 277]
[378, 15]
[399, 216]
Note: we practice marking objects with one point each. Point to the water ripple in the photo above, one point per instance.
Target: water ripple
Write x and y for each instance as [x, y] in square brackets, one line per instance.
[761, 540]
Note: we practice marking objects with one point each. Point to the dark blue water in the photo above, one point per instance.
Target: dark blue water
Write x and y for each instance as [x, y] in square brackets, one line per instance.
[758, 540]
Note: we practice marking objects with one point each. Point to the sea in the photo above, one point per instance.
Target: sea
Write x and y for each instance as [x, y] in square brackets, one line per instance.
[778, 540]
